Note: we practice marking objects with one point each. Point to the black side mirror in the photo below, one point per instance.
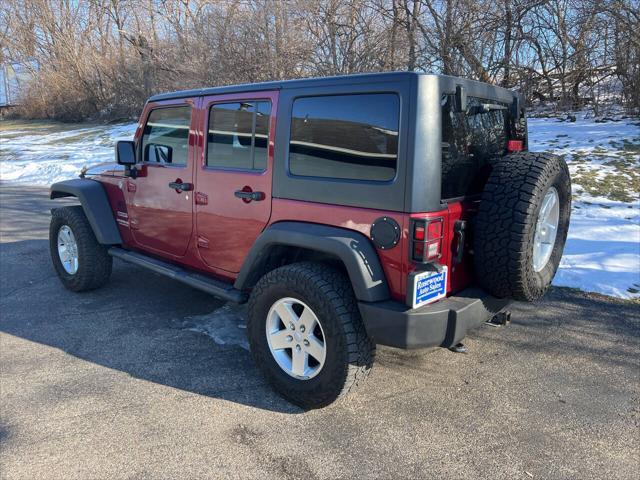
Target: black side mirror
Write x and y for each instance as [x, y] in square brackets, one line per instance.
[460, 99]
[125, 153]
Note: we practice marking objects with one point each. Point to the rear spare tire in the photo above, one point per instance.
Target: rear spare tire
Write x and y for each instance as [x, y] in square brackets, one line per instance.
[521, 226]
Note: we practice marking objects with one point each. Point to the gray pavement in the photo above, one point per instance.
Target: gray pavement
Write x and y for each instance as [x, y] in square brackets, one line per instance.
[110, 384]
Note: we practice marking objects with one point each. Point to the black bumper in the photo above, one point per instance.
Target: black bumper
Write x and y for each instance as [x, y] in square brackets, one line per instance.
[443, 323]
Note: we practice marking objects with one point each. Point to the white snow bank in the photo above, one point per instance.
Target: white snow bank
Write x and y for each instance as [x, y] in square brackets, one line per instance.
[42, 155]
[565, 137]
[602, 253]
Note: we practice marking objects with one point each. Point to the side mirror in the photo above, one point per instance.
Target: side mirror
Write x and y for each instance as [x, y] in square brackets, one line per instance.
[460, 99]
[125, 153]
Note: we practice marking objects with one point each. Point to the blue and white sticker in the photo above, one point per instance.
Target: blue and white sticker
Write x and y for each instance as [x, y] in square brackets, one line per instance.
[429, 287]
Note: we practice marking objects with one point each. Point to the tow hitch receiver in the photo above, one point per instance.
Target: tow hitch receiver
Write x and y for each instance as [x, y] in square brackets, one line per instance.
[500, 319]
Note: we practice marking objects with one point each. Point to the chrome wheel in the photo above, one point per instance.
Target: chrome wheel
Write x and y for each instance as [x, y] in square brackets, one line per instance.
[68, 250]
[296, 339]
[546, 229]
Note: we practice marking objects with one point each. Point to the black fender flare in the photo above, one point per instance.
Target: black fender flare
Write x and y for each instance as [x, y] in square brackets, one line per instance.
[354, 250]
[95, 204]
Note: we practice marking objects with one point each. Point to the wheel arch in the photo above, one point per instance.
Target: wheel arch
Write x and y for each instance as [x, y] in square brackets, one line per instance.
[95, 205]
[288, 242]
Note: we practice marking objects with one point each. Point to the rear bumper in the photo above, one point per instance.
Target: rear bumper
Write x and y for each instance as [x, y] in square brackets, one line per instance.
[443, 323]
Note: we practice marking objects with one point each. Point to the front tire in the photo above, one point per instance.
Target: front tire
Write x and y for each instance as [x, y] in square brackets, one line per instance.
[338, 354]
[80, 261]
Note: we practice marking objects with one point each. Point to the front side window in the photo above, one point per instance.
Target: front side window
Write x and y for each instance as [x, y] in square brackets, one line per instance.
[470, 140]
[352, 137]
[238, 136]
[165, 139]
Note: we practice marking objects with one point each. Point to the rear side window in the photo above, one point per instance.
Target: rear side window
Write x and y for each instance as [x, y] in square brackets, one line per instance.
[238, 136]
[166, 136]
[352, 137]
[469, 141]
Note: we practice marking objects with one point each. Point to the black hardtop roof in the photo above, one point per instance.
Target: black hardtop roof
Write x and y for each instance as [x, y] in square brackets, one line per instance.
[311, 82]
[284, 84]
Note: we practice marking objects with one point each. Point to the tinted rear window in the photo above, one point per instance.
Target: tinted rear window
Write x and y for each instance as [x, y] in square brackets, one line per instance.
[469, 141]
[352, 137]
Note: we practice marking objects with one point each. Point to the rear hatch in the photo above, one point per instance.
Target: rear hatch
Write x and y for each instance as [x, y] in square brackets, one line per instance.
[475, 131]
[473, 136]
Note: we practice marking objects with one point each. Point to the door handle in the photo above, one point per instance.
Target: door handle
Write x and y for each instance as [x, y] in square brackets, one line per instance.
[178, 186]
[249, 196]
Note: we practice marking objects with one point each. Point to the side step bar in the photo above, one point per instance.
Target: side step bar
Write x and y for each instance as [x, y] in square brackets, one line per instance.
[217, 288]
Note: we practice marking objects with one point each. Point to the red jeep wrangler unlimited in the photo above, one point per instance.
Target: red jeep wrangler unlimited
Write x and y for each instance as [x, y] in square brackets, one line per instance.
[398, 208]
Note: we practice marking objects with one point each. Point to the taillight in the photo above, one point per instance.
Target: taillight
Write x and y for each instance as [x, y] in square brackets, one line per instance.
[426, 239]
[515, 146]
[434, 229]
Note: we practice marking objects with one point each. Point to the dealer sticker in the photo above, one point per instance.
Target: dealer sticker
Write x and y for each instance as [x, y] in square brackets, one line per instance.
[429, 287]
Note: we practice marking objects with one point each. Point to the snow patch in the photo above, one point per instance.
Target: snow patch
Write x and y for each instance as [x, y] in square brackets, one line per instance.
[226, 326]
[602, 253]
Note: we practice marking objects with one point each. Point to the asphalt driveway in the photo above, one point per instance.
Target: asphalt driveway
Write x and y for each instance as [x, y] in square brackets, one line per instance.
[112, 384]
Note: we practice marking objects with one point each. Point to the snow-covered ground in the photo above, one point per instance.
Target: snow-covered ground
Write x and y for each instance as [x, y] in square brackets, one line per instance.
[603, 250]
[40, 153]
[603, 247]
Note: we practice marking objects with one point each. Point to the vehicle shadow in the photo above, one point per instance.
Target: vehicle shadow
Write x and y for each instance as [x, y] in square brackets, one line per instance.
[138, 323]
[143, 324]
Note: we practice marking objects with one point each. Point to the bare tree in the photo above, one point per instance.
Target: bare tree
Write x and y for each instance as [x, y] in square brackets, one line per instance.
[103, 58]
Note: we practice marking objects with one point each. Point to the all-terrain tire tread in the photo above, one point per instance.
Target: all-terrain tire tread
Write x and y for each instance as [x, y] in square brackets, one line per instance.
[326, 284]
[504, 224]
[95, 263]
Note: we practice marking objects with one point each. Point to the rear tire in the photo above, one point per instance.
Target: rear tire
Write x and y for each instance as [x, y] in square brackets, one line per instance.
[349, 351]
[506, 225]
[94, 264]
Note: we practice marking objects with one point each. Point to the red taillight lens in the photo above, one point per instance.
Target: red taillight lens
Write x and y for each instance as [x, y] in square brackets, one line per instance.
[515, 145]
[435, 229]
[426, 240]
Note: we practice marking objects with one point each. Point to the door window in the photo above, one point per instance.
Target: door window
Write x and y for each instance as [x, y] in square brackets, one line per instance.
[345, 137]
[166, 136]
[238, 136]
